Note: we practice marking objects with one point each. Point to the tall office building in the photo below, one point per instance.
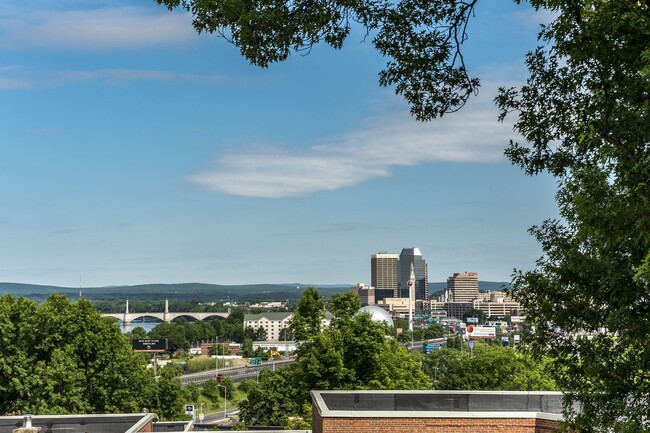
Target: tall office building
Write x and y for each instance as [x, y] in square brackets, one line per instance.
[462, 287]
[383, 275]
[408, 257]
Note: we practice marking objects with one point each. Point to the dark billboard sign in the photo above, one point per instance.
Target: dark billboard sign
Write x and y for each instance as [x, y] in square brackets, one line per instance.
[149, 345]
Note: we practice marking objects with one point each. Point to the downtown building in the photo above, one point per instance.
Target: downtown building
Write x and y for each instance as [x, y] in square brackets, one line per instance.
[462, 287]
[413, 257]
[462, 295]
[389, 275]
[384, 276]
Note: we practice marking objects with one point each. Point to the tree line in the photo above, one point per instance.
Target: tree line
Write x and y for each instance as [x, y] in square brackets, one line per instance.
[581, 116]
[63, 357]
[355, 352]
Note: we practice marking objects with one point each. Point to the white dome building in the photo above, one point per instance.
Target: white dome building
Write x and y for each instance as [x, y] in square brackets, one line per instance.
[378, 314]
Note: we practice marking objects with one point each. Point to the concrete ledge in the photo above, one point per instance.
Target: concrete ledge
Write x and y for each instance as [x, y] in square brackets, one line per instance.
[438, 404]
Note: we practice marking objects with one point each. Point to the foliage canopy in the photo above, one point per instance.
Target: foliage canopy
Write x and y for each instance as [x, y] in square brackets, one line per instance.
[420, 39]
[63, 357]
[352, 353]
[584, 115]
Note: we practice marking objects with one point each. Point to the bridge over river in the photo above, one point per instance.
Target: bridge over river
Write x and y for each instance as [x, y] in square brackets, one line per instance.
[166, 316]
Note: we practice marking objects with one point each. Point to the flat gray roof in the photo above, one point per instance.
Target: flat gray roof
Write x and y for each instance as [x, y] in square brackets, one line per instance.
[438, 404]
[113, 423]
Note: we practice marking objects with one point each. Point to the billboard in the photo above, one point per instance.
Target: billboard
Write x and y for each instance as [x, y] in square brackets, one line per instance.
[149, 345]
[474, 332]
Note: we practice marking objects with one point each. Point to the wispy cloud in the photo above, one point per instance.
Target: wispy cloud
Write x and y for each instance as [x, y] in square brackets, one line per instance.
[534, 18]
[123, 74]
[34, 78]
[96, 29]
[113, 75]
[470, 136]
[11, 83]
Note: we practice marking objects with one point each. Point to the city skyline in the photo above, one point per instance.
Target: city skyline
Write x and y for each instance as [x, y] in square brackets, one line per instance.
[136, 151]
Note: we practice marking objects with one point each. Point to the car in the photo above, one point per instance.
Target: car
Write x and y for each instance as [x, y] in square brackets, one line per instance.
[219, 377]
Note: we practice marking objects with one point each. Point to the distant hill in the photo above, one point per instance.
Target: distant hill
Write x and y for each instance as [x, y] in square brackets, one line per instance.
[200, 291]
[183, 291]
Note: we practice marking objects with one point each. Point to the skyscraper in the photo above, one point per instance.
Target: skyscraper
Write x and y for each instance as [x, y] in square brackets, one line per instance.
[408, 257]
[462, 287]
[383, 275]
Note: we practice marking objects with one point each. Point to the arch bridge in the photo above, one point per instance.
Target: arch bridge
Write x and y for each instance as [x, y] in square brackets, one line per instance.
[166, 316]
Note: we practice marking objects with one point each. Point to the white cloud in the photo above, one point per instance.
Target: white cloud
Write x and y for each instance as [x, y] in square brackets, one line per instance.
[23, 78]
[11, 78]
[534, 18]
[122, 74]
[104, 28]
[10, 83]
[472, 136]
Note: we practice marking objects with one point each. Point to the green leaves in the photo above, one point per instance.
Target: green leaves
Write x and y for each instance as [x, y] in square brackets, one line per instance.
[487, 368]
[63, 357]
[307, 318]
[352, 353]
[421, 39]
[584, 114]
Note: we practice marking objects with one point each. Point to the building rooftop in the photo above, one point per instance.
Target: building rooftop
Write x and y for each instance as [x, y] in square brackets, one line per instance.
[123, 423]
[270, 315]
[439, 404]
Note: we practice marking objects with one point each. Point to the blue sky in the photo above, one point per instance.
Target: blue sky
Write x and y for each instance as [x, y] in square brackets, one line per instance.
[133, 150]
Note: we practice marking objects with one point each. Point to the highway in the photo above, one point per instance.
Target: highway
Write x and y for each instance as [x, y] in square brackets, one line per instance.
[237, 374]
[418, 344]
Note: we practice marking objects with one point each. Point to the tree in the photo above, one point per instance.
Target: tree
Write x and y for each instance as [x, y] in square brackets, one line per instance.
[272, 400]
[421, 41]
[169, 394]
[455, 342]
[583, 115]
[474, 312]
[229, 385]
[433, 331]
[354, 352]
[63, 357]
[247, 348]
[309, 314]
[192, 392]
[344, 305]
[211, 390]
[174, 333]
[258, 334]
[137, 333]
[487, 368]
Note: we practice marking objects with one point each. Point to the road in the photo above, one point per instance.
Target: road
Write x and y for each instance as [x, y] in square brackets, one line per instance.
[237, 374]
[419, 344]
[216, 418]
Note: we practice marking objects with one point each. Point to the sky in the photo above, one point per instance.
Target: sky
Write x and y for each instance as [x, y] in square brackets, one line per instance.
[134, 150]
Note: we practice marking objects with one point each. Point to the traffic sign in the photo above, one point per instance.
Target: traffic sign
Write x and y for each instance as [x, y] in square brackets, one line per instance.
[189, 409]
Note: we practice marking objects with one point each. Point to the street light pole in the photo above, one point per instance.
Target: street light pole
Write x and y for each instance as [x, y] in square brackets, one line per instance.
[216, 359]
[225, 400]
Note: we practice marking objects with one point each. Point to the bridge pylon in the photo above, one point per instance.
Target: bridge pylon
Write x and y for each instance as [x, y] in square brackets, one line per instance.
[127, 319]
